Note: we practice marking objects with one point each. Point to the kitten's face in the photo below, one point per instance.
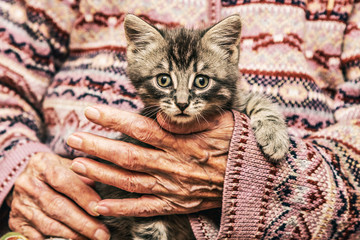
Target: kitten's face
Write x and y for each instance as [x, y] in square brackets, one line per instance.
[186, 74]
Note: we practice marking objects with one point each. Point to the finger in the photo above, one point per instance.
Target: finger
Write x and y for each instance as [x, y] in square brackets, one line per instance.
[134, 125]
[123, 154]
[87, 181]
[139, 182]
[59, 177]
[17, 223]
[62, 209]
[61, 182]
[118, 177]
[150, 205]
[20, 225]
[137, 158]
[45, 225]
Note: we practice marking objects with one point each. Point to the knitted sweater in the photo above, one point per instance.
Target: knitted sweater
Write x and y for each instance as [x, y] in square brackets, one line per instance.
[57, 57]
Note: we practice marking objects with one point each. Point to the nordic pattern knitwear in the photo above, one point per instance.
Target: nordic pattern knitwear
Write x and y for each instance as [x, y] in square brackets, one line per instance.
[313, 195]
[58, 57]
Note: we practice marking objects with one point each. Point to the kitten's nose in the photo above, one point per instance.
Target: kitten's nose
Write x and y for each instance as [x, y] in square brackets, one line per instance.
[182, 106]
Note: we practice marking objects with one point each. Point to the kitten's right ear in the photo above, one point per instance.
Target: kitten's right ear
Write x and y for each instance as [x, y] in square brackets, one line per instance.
[225, 36]
[140, 35]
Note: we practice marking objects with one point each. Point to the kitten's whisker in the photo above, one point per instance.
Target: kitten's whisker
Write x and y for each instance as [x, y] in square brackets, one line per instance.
[204, 118]
[220, 110]
[166, 119]
[150, 111]
[151, 114]
[197, 118]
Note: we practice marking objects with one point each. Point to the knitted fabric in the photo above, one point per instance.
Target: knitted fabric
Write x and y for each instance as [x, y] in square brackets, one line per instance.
[314, 194]
[58, 57]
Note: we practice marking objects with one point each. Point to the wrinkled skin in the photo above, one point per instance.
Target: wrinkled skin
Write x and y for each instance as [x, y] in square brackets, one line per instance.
[46, 202]
[184, 174]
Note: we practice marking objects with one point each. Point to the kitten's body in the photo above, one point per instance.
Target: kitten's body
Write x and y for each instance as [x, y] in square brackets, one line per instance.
[188, 75]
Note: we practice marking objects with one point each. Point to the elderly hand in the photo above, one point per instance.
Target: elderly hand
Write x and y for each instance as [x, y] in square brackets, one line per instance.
[46, 201]
[183, 174]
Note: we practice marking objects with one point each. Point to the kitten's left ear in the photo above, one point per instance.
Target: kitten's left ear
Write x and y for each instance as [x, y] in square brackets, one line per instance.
[225, 36]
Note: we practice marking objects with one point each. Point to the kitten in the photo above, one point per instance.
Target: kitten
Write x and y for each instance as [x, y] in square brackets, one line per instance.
[190, 75]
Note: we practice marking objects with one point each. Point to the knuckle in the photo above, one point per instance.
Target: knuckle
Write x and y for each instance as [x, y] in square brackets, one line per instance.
[131, 158]
[112, 152]
[38, 164]
[155, 184]
[92, 147]
[56, 177]
[127, 184]
[56, 202]
[142, 136]
[142, 132]
[149, 210]
[102, 174]
[17, 225]
[86, 228]
[113, 123]
[21, 181]
[26, 186]
[15, 205]
[50, 227]
[15, 210]
[37, 159]
[12, 223]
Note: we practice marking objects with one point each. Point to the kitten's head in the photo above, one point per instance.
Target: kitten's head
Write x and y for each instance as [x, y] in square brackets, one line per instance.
[186, 74]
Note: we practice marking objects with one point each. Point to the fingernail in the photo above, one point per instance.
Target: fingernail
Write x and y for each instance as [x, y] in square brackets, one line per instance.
[74, 141]
[102, 210]
[101, 235]
[92, 113]
[92, 206]
[79, 168]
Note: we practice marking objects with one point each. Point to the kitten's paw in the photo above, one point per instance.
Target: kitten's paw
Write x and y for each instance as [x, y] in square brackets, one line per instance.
[273, 139]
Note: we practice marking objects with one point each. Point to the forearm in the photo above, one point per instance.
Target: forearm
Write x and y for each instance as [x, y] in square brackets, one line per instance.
[31, 46]
[347, 98]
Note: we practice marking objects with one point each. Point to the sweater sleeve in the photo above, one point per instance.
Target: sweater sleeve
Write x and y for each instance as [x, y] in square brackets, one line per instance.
[33, 43]
[347, 98]
[314, 194]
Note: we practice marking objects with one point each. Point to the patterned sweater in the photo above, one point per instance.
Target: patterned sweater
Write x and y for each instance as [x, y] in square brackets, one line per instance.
[57, 57]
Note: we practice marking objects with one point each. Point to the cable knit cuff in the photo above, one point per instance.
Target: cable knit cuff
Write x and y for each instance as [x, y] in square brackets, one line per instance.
[14, 162]
[247, 186]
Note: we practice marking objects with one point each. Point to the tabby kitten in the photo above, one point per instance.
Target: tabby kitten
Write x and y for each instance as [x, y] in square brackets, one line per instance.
[190, 75]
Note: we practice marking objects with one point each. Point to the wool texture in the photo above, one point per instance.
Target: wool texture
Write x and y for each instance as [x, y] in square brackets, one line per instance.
[58, 57]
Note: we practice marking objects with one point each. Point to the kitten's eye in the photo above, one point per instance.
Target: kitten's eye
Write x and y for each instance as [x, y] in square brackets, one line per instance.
[201, 81]
[164, 80]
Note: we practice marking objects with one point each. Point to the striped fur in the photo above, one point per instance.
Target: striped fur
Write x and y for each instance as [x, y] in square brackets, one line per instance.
[183, 54]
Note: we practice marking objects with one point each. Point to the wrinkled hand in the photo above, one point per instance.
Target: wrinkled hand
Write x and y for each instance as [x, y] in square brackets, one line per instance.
[45, 201]
[184, 174]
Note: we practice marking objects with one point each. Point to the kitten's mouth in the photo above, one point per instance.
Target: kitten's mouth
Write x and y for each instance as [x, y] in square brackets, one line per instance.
[182, 115]
[182, 118]
[178, 118]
